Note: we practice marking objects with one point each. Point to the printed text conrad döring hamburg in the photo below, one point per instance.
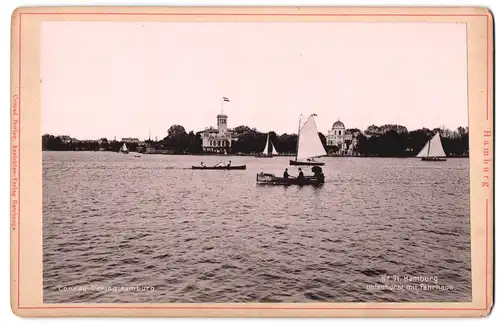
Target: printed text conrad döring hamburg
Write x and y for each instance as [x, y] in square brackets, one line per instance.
[106, 288]
[410, 283]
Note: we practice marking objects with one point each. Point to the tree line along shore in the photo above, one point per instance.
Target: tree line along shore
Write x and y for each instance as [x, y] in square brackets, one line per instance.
[375, 141]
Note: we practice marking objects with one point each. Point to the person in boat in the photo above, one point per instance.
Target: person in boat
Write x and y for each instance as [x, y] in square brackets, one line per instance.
[316, 170]
[202, 164]
[229, 164]
[318, 173]
[285, 174]
[301, 175]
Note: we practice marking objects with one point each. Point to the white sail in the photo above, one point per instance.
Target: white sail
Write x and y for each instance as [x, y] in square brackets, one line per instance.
[275, 153]
[265, 152]
[436, 149]
[424, 151]
[433, 148]
[124, 148]
[309, 145]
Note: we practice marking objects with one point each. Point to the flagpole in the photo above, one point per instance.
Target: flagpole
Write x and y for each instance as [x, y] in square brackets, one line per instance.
[224, 99]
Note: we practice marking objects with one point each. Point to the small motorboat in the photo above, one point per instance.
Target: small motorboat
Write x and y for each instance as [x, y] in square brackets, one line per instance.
[236, 167]
[271, 179]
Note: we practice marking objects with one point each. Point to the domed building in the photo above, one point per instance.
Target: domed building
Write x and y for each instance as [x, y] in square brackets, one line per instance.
[339, 137]
[336, 134]
[338, 125]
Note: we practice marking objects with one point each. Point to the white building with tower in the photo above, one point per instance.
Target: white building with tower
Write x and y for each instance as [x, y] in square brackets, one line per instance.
[345, 141]
[336, 135]
[217, 140]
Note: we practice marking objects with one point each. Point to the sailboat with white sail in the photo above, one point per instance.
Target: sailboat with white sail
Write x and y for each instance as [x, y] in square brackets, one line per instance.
[269, 150]
[309, 145]
[124, 149]
[433, 150]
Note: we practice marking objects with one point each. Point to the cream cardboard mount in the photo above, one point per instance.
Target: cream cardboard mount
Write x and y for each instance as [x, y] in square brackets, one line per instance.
[28, 243]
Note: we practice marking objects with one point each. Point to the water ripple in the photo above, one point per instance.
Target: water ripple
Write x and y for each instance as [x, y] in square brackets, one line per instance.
[196, 236]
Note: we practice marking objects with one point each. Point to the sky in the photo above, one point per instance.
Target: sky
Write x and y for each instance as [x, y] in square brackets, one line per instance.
[122, 79]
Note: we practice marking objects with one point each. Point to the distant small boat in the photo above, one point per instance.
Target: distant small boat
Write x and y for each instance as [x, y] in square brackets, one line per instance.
[138, 156]
[124, 149]
[269, 150]
[271, 179]
[309, 145]
[310, 162]
[433, 150]
[240, 167]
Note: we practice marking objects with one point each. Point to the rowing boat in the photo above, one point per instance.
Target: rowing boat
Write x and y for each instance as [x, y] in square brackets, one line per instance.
[240, 167]
[271, 179]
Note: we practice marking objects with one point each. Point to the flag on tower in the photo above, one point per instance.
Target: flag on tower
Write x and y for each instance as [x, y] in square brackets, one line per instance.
[225, 99]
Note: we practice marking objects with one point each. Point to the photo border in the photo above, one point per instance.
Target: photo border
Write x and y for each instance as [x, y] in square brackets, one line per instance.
[25, 115]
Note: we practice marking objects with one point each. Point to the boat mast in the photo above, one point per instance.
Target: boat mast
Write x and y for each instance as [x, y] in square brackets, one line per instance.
[272, 149]
[298, 135]
[268, 145]
[429, 147]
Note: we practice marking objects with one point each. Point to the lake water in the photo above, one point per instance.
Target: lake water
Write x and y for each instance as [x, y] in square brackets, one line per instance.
[113, 222]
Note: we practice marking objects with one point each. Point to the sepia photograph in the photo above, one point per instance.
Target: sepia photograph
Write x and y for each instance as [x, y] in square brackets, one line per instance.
[269, 162]
[251, 162]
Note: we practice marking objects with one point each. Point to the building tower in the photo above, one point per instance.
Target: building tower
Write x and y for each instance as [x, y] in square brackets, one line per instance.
[222, 123]
[338, 129]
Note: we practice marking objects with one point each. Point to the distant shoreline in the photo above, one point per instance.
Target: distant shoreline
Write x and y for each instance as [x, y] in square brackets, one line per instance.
[242, 155]
[385, 141]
